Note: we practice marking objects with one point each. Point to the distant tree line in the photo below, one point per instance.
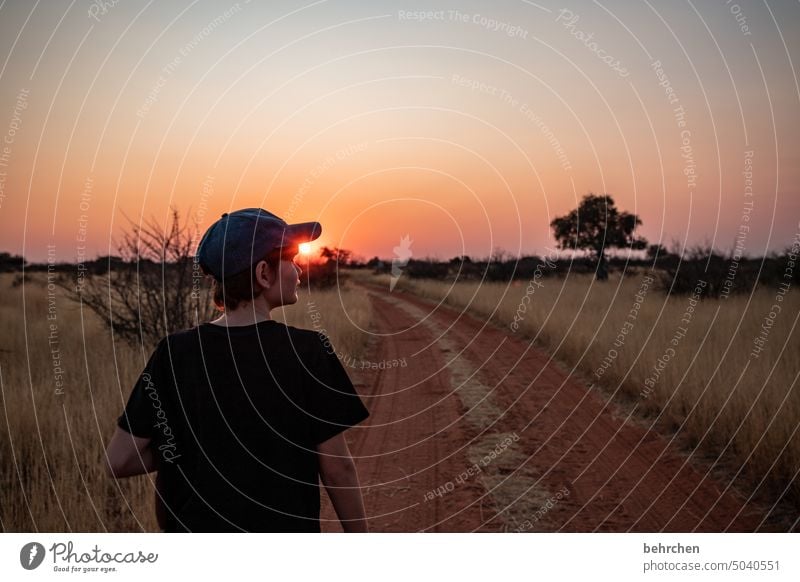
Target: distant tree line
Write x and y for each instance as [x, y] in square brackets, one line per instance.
[10, 263]
[677, 274]
[154, 287]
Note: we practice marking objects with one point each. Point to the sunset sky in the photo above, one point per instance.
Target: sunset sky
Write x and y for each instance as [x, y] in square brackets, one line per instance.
[465, 125]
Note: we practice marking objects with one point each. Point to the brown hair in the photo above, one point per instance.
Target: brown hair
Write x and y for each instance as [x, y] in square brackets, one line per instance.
[243, 287]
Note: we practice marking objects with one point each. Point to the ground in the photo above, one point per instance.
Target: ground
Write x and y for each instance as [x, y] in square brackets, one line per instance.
[473, 428]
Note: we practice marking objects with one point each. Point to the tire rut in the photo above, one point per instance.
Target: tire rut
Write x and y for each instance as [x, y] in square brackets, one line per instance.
[577, 465]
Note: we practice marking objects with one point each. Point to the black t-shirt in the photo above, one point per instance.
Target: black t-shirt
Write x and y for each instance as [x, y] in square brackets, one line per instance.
[234, 414]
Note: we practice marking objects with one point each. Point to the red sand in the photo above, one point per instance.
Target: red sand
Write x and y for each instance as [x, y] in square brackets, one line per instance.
[620, 477]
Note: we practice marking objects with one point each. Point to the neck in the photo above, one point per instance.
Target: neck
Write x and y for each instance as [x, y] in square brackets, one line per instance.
[247, 314]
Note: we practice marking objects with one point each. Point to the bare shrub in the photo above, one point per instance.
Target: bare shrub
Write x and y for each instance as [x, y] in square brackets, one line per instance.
[156, 289]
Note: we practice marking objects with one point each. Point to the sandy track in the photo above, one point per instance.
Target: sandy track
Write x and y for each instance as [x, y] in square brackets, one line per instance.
[574, 463]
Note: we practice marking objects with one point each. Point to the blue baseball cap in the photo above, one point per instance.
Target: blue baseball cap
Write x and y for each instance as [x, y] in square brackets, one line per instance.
[238, 240]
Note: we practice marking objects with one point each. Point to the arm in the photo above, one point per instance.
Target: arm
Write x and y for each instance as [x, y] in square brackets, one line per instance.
[338, 473]
[128, 455]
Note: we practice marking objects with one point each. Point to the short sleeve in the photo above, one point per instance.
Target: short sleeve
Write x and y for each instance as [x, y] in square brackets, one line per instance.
[140, 416]
[333, 403]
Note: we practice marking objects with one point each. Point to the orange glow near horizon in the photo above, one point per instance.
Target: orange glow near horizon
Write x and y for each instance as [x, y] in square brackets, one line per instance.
[463, 139]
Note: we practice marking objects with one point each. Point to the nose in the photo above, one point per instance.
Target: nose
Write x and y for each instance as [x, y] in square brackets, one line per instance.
[299, 270]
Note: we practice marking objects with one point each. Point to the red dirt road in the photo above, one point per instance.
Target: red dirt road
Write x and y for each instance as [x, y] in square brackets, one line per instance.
[448, 389]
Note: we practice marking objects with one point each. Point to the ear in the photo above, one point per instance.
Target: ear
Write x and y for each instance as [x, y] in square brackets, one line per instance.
[264, 275]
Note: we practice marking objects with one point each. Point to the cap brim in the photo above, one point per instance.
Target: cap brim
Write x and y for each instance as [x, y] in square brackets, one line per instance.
[302, 232]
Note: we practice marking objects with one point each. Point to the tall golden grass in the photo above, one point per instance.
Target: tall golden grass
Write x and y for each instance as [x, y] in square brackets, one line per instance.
[54, 437]
[736, 413]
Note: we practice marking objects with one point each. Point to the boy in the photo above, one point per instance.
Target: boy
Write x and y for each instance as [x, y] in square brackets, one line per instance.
[241, 416]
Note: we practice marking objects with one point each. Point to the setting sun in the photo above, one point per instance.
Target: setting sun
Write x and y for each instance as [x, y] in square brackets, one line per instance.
[305, 248]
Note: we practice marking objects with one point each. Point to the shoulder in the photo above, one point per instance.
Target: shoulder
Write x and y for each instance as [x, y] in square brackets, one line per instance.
[186, 340]
[312, 338]
[313, 343]
[304, 339]
[180, 338]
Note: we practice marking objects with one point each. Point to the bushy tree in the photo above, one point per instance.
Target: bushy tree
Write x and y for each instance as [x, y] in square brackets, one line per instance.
[10, 263]
[597, 225]
[326, 270]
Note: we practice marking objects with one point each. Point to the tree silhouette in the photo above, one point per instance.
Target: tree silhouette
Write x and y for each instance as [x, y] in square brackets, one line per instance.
[10, 263]
[595, 226]
[153, 288]
[336, 255]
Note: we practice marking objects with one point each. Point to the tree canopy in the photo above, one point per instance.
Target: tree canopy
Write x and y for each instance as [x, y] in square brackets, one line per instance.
[595, 226]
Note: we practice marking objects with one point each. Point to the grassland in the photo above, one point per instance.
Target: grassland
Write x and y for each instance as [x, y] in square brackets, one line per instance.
[64, 380]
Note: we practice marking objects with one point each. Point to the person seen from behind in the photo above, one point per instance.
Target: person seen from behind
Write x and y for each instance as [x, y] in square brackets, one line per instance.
[243, 416]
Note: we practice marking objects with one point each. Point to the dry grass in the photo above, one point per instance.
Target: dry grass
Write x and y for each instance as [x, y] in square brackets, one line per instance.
[52, 445]
[738, 412]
